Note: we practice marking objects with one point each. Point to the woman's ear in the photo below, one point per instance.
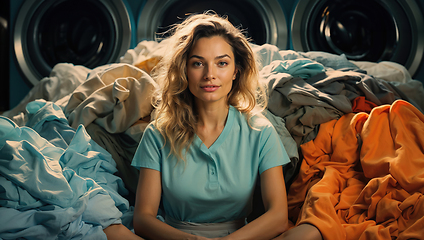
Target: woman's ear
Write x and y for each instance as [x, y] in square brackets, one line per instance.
[235, 74]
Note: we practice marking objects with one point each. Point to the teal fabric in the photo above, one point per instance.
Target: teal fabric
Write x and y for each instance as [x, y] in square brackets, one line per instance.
[55, 182]
[214, 184]
[303, 68]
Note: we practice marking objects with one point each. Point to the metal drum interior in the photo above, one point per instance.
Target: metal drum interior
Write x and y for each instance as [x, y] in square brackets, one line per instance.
[265, 21]
[363, 30]
[82, 32]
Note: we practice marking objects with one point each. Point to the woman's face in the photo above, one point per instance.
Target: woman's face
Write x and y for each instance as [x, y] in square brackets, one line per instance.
[211, 70]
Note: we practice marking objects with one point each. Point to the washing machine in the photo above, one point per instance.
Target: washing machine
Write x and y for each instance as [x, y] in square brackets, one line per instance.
[4, 55]
[363, 30]
[264, 20]
[83, 32]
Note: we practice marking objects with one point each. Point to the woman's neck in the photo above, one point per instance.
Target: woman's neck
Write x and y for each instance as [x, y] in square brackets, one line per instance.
[212, 116]
[211, 122]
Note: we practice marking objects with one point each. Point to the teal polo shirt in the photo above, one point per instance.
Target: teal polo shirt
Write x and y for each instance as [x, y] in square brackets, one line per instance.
[214, 184]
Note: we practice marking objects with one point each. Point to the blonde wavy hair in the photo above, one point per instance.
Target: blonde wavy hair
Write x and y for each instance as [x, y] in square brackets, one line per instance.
[176, 115]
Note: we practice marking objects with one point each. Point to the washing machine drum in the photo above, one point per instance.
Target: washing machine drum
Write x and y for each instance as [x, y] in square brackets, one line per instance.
[82, 32]
[264, 20]
[363, 30]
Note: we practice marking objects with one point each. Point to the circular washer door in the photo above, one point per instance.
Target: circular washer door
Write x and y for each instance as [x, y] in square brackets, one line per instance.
[264, 21]
[363, 30]
[82, 32]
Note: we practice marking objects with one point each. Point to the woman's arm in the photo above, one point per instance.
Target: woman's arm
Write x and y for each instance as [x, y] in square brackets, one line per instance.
[275, 219]
[303, 231]
[146, 207]
[119, 231]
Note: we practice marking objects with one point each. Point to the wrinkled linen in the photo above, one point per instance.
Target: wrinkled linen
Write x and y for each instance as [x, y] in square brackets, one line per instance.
[122, 148]
[289, 145]
[303, 68]
[56, 183]
[145, 51]
[414, 90]
[146, 54]
[304, 104]
[268, 53]
[115, 99]
[363, 176]
[63, 79]
[389, 71]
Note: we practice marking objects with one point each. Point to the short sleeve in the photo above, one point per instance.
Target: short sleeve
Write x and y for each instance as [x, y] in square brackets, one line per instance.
[148, 153]
[272, 152]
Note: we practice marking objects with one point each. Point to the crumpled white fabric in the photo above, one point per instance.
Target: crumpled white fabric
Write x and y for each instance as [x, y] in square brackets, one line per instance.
[386, 70]
[115, 98]
[145, 50]
[63, 79]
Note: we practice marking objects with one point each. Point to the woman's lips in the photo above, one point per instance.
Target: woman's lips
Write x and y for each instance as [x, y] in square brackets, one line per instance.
[210, 88]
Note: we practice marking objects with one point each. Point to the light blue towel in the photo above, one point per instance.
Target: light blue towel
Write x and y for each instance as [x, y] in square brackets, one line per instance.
[57, 182]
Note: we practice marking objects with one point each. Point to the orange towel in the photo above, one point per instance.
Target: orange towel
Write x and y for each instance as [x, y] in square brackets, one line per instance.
[363, 176]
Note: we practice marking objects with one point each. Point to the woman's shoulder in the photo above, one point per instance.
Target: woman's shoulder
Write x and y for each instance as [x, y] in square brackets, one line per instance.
[256, 120]
[152, 131]
[151, 128]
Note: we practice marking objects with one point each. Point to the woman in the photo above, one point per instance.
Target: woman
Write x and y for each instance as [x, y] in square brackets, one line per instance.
[203, 153]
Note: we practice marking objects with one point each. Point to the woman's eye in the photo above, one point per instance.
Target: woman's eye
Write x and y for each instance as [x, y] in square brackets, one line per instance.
[222, 64]
[197, 64]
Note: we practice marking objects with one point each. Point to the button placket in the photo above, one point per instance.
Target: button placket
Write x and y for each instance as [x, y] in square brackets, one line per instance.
[213, 174]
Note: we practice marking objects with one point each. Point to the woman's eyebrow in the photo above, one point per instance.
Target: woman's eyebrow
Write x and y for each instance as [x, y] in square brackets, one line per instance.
[196, 56]
[223, 56]
[217, 57]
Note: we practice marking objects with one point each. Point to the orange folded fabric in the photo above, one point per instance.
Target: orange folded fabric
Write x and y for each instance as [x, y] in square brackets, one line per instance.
[360, 104]
[362, 177]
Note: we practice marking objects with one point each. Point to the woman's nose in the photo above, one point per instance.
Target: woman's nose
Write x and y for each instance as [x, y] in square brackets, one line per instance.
[209, 73]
